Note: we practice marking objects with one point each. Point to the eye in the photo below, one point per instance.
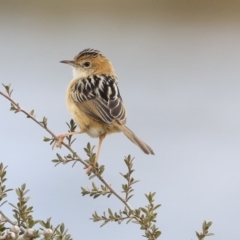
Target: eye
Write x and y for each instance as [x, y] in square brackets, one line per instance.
[86, 64]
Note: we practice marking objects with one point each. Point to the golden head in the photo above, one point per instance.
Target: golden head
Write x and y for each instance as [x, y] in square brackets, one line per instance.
[89, 62]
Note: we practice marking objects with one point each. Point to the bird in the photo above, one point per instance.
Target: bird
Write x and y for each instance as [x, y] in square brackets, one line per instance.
[94, 101]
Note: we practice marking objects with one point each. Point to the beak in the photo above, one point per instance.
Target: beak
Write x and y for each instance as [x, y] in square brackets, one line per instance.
[72, 63]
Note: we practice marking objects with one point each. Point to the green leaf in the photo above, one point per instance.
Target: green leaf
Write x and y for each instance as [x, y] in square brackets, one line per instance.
[3, 203]
[62, 227]
[96, 195]
[94, 186]
[23, 186]
[129, 220]
[105, 222]
[204, 225]
[209, 224]
[157, 234]
[144, 210]
[47, 139]
[31, 114]
[91, 177]
[157, 206]
[209, 234]
[110, 212]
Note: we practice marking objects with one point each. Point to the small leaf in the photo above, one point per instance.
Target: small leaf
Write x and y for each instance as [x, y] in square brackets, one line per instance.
[96, 195]
[47, 139]
[209, 234]
[110, 212]
[129, 220]
[105, 223]
[209, 224]
[91, 177]
[157, 206]
[144, 210]
[157, 234]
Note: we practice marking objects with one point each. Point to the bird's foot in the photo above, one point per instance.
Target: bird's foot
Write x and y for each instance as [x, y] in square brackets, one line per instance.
[58, 143]
[89, 170]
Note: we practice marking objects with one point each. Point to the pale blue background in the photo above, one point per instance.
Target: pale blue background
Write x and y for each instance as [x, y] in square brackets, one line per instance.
[178, 69]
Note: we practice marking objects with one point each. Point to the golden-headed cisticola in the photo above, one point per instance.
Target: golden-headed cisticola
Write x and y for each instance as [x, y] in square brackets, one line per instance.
[94, 100]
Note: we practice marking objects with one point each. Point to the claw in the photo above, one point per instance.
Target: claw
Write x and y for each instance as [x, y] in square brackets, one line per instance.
[89, 170]
[58, 143]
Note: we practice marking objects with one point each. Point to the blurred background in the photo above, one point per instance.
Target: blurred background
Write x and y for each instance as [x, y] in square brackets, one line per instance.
[178, 69]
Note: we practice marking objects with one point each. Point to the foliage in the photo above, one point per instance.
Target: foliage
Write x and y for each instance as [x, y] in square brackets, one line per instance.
[25, 227]
[205, 233]
[21, 227]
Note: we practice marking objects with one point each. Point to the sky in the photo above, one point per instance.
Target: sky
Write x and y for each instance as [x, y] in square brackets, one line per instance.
[177, 64]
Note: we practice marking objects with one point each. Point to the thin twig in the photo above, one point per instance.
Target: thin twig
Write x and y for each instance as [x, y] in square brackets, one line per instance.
[76, 159]
[68, 147]
[42, 125]
[6, 218]
[114, 193]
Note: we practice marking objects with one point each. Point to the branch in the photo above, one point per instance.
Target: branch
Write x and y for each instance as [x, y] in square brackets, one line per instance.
[143, 216]
[6, 218]
[44, 126]
[8, 97]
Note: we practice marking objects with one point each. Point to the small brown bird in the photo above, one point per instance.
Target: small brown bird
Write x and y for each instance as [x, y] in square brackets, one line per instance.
[94, 100]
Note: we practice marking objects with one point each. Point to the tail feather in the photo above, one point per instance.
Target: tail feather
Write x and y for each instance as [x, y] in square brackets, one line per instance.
[136, 140]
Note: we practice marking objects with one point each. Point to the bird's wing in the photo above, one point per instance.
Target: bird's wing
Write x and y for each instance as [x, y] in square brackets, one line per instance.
[98, 96]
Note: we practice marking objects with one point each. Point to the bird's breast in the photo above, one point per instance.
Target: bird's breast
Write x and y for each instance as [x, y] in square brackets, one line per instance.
[92, 127]
[84, 122]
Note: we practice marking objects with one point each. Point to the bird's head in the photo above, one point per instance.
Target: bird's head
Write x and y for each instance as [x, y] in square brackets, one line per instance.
[89, 62]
